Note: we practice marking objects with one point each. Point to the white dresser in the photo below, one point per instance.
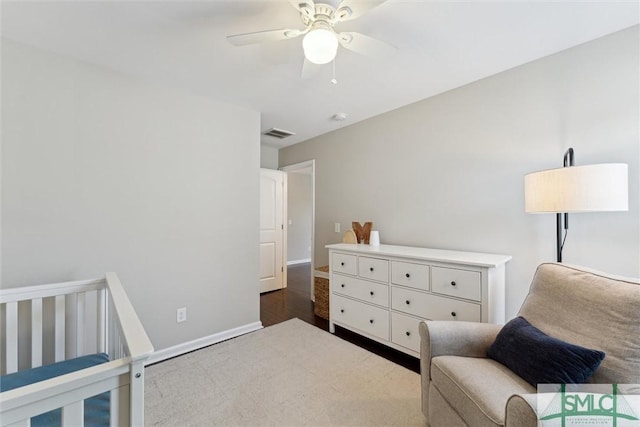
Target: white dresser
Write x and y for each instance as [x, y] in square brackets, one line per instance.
[382, 292]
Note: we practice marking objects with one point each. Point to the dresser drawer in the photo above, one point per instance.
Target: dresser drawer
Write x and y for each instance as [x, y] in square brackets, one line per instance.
[409, 274]
[343, 263]
[373, 269]
[433, 307]
[374, 293]
[458, 283]
[404, 331]
[365, 317]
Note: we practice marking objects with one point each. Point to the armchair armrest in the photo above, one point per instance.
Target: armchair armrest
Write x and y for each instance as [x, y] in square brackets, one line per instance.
[439, 338]
[521, 410]
[467, 339]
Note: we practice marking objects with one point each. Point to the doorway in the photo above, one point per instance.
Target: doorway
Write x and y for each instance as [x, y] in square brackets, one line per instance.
[301, 216]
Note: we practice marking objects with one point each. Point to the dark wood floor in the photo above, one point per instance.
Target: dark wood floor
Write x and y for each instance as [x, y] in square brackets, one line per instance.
[295, 301]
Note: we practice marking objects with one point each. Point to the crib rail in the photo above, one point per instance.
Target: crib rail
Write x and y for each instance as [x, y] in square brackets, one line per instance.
[31, 299]
[68, 392]
[82, 317]
[134, 339]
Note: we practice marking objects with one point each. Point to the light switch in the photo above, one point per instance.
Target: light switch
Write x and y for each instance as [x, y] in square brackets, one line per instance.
[336, 227]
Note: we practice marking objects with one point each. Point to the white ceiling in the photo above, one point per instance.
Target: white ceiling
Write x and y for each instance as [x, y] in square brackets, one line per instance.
[441, 45]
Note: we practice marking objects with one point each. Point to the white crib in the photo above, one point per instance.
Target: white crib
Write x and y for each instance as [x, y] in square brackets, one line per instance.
[51, 323]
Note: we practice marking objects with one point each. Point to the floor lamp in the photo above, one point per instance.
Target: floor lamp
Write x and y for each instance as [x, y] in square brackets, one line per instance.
[591, 188]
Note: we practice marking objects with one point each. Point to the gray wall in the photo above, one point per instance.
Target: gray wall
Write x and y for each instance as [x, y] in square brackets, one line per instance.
[447, 172]
[268, 157]
[102, 172]
[299, 200]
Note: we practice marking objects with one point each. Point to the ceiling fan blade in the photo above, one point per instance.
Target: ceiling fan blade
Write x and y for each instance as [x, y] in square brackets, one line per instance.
[352, 9]
[309, 69]
[263, 36]
[365, 45]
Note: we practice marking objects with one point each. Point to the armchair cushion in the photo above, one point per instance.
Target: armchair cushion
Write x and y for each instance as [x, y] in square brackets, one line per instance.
[466, 339]
[539, 358]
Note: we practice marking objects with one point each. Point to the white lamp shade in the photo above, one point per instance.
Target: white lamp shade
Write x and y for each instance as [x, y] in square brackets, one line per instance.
[592, 188]
[320, 46]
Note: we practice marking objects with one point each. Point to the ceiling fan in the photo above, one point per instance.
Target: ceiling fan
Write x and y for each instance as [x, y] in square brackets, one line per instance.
[321, 41]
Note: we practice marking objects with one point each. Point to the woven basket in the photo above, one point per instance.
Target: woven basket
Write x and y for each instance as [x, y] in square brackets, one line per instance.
[321, 292]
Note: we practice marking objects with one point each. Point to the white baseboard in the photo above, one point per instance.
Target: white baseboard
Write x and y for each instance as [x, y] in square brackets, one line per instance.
[298, 261]
[177, 350]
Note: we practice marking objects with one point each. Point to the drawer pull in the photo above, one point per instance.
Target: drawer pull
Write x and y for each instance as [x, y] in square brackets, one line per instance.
[342, 264]
[407, 275]
[408, 333]
[371, 321]
[342, 310]
[371, 269]
[371, 293]
[453, 313]
[453, 283]
[342, 286]
[408, 302]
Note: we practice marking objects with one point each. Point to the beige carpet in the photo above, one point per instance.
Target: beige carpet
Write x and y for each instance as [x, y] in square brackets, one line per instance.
[290, 374]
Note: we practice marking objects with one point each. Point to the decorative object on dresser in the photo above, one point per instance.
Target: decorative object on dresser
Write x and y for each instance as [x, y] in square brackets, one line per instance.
[362, 231]
[569, 307]
[374, 238]
[383, 292]
[349, 236]
[592, 188]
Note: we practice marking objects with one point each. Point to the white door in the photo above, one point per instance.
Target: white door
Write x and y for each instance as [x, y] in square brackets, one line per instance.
[272, 229]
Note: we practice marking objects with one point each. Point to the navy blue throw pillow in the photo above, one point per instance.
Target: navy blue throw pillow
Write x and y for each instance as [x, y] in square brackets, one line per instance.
[540, 359]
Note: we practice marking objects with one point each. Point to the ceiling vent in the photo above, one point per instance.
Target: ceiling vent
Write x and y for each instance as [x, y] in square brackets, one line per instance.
[278, 133]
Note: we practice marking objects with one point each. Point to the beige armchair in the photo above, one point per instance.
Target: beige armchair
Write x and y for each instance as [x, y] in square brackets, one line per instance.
[461, 386]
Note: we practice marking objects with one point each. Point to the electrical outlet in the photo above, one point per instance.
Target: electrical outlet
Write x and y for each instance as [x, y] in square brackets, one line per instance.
[181, 314]
[336, 227]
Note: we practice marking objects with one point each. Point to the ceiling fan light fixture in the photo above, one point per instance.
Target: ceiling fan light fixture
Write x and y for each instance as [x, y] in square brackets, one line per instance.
[320, 46]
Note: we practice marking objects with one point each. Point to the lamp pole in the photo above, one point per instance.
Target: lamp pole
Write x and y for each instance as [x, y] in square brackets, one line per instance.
[568, 161]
